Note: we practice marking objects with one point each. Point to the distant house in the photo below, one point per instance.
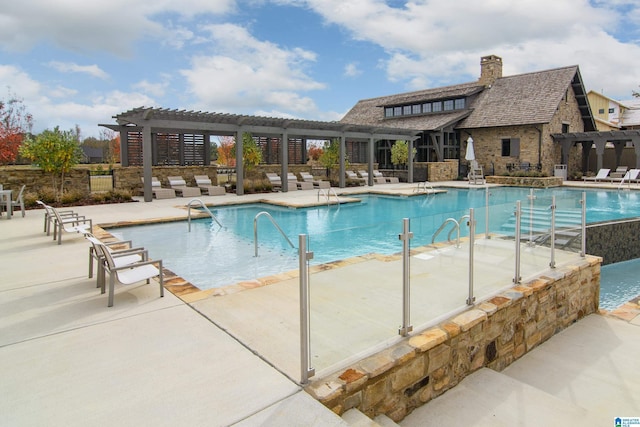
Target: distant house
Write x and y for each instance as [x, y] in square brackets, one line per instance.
[607, 112]
[511, 119]
[92, 154]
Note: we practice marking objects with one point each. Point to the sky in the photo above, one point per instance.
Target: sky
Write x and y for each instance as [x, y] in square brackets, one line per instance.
[80, 62]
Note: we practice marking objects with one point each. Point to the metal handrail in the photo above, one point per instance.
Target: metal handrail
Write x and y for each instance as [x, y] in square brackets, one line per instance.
[205, 208]
[327, 195]
[255, 229]
[462, 218]
[444, 224]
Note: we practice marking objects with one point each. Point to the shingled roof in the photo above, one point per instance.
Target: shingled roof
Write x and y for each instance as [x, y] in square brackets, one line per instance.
[521, 100]
[371, 111]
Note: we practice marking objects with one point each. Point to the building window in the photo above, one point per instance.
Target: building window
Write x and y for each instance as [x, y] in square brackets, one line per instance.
[397, 111]
[601, 111]
[436, 106]
[388, 112]
[448, 105]
[510, 147]
[459, 104]
[611, 110]
[565, 128]
[426, 107]
[415, 109]
[406, 110]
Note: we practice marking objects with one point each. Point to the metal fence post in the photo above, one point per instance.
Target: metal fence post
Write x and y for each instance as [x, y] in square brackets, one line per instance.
[486, 221]
[305, 328]
[583, 252]
[518, 213]
[472, 239]
[552, 263]
[406, 236]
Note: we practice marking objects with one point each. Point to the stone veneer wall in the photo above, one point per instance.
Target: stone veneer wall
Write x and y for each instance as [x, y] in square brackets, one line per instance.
[525, 181]
[12, 178]
[493, 334]
[614, 241]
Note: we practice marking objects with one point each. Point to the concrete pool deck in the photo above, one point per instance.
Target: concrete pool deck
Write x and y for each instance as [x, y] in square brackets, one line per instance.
[68, 359]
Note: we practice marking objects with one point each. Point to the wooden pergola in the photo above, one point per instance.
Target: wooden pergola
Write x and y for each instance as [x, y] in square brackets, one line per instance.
[618, 138]
[152, 124]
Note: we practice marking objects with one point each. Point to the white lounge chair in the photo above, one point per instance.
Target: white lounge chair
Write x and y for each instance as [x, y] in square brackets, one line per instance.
[204, 183]
[351, 175]
[307, 177]
[476, 175]
[70, 224]
[274, 180]
[127, 274]
[619, 173]
[122, 256]
[601, 176]
[158, 192]
[381, 179]
[180, 186]
[630, 176]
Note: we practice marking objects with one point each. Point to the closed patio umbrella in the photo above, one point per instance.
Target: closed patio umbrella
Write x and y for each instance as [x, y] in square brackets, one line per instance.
[470, 155]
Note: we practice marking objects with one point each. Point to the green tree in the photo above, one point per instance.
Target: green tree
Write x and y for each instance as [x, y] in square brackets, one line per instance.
[55, 152]
[331, 155]
[400, 153]
[251, 153]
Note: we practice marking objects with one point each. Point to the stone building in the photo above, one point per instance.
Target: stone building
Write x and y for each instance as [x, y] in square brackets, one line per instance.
[511, 119]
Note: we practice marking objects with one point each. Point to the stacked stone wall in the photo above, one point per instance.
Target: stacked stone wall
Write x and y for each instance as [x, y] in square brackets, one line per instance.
[493, 334]
[12, 178]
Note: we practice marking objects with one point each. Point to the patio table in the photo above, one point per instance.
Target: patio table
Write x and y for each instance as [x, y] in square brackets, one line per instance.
[5, 197]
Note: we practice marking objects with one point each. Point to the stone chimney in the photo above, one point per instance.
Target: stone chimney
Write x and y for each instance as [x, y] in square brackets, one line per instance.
[490, 69]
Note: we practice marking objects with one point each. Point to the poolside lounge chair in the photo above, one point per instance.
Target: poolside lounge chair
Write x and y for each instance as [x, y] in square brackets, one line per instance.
[619, 173]
[351, 175]
[274, 180]
[307, 177]
[630, 176]
[292, 181]
[127, 274]
[602, 175]
[69, 224]
[158, 192]
[381, 179]
[180, 185]
[122, 251]
[204, 183]
[50, 218]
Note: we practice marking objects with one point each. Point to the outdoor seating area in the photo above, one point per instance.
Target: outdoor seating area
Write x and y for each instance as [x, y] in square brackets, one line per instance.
[600, 176]
[64, 220]
[316, 183]
[352, 176]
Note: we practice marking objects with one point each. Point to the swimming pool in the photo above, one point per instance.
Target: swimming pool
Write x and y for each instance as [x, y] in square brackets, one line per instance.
[210, 256]
[619, 283]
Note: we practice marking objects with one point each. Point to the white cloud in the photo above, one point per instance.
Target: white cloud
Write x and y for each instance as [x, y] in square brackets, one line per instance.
[70, 67]
[243, 73]
[157, 90]
[352, 70]
[97, 25]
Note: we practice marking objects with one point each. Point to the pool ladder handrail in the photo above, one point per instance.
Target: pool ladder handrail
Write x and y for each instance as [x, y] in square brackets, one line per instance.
[425, 187]
[255, 229]
[456, 227]
[205, 208]
[327, 195]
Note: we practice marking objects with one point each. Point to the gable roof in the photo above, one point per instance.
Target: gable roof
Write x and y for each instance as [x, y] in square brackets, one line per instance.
[523, 99]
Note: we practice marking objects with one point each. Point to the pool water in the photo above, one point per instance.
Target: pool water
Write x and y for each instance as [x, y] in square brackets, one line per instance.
[210, 256]
[619, 283]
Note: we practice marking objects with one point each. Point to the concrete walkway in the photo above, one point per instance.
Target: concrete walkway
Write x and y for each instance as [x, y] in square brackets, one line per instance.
[67, 359]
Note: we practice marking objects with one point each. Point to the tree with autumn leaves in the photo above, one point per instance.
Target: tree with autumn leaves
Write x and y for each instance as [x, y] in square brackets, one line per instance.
[54, 151]
[15, 124]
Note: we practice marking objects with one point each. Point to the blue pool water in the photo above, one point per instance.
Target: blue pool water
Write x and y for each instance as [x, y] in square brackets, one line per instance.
[619, 283]
[210, 256]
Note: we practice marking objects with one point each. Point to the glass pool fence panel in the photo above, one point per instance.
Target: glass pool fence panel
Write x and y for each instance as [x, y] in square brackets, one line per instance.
[355, 301]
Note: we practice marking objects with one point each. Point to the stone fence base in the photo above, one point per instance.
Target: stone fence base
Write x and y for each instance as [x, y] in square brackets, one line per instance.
[494, 333]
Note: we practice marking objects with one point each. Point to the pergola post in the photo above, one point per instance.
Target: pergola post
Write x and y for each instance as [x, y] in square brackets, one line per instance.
[635, 140]
[239, 163]
[600, 145]
[410, 162]
[619, 146]
[147, 162]
[370, 160]
[284, 161]
[342, 168]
